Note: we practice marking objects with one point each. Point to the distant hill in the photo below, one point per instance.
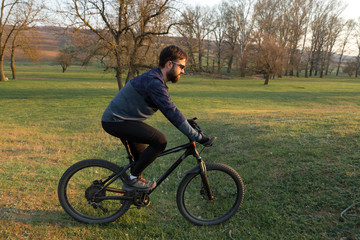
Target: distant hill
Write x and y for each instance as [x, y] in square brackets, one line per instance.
[51, 39]
[49, 42]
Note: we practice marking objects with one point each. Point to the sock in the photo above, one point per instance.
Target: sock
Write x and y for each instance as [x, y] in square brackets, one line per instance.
[132, 177]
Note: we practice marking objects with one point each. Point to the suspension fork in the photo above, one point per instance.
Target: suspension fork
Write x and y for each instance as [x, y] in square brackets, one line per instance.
[203, 175]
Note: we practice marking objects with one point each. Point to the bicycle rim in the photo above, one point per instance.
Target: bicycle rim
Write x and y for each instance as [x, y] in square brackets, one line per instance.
[77, 193]
[227, 188]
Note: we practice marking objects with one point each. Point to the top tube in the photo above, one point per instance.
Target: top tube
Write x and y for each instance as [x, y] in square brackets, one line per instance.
[177, 149]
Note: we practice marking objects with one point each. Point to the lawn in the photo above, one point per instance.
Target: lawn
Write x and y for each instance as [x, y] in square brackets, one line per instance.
[295, 142]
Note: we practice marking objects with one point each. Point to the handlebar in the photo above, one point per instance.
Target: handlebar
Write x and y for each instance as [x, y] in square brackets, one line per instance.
[197, 128]
[195, 125]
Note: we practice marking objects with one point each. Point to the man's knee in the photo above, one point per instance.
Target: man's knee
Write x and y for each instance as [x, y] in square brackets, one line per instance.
[162, 142]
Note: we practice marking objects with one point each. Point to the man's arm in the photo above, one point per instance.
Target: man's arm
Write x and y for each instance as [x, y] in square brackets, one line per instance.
[158, 92]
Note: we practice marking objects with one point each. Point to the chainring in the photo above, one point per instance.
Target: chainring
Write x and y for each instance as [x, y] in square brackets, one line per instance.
[141, 199]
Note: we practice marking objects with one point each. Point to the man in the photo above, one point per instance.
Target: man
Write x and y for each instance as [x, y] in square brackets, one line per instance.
[139, 99]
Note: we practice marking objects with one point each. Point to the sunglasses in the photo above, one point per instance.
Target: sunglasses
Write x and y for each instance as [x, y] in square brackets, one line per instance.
[179, 64]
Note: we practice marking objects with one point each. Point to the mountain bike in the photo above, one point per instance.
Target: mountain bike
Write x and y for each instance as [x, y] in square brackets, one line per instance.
[91, 191]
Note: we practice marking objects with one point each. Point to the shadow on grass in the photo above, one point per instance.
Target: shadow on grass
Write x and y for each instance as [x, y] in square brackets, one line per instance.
[30, 216]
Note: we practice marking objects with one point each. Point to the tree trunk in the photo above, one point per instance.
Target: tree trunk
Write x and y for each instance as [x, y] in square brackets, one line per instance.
[118, 70]
[118, 78]
[131, 74]
[357, 65]
[200, 61]
[339, 64]
[243, 67]
[2, 73]
[219, 64]
[12, 64]
[267, 79]
[230, 62]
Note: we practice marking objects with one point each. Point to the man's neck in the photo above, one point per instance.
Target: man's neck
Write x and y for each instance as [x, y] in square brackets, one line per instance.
[163, 71]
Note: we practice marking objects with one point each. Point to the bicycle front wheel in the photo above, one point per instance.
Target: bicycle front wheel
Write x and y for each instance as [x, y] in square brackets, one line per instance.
[81, 196]
[226, 186]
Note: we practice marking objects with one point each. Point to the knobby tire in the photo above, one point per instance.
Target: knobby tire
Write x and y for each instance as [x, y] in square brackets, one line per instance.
[76, 185]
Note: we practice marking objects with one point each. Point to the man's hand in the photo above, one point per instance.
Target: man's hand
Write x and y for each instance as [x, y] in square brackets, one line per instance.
[207, 141]
[192, 122]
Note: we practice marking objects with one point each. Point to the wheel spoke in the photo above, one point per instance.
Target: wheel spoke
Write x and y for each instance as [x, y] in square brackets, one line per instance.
[82, 195]
[227, 189]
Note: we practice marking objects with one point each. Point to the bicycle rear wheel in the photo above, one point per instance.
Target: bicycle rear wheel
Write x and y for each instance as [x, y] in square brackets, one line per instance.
[79, 184]
[227, 188]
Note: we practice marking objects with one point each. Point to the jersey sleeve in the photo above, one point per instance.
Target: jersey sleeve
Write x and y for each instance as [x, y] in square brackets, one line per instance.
[158, 92]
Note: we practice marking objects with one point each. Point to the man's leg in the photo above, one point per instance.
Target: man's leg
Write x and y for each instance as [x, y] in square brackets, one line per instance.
[138, 134]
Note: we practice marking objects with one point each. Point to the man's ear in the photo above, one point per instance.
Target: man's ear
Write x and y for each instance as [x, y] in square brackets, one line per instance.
[168, 64]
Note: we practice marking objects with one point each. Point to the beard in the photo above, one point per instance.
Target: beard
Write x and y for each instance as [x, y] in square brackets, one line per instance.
[171, 76]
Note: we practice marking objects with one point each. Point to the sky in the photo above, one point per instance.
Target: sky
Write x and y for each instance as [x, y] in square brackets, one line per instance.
[352, 10]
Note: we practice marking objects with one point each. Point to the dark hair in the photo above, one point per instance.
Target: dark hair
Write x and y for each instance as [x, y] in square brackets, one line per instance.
[171, 53]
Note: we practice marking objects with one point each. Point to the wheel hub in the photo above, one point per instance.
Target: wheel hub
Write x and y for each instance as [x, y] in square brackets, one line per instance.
[91, 191]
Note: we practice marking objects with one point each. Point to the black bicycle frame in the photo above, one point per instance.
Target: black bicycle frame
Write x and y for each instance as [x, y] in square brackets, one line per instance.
[190, 150]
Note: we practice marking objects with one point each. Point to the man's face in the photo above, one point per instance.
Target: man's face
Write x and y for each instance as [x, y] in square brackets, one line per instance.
[176, 70]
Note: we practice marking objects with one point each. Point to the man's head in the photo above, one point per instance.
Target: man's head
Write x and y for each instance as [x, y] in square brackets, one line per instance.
[172, 63]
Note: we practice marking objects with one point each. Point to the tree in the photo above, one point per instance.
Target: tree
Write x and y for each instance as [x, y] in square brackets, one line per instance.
[269, 59]
[351, 67]
[122, 27]
[8, 25]
[324, 34]
[195, 26]
[27, 14]
[243, 11]
[66, 57]
[335, 27]
[296, 13]
[357, 35]
[231, 36]
[219, 32]
[155, 19]
[349, 26]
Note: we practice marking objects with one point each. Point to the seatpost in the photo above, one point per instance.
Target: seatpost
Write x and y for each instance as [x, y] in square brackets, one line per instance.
[127, 147]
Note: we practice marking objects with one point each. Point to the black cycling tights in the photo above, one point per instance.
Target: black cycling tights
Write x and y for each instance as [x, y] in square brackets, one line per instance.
[138, 134]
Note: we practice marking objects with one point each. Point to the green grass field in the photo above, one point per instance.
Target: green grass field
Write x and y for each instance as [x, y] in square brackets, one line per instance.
[295, 142]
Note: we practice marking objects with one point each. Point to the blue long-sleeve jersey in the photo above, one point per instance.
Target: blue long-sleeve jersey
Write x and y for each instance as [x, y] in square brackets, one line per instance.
[140, 98]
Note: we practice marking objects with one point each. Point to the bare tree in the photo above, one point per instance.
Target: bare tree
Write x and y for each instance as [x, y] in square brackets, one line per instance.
[153, 19]
[296, 13]
[349, 27]
[116, 23]
[335, 27]
[357, 35]
[195, 26]
[350, 67]
[66, 57]
[321, 27]
[219, 32]
[243, 11]
[8, 25]
[269, 58]
[27, 15]
[231, 36]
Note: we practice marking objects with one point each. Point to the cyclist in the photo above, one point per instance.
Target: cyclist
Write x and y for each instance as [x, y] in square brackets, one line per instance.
[139, 99]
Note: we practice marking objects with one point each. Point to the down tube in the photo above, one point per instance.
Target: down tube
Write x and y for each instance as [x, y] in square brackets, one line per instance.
[172, 168]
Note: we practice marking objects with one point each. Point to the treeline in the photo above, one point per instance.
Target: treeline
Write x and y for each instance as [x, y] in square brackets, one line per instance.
[269, 37]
